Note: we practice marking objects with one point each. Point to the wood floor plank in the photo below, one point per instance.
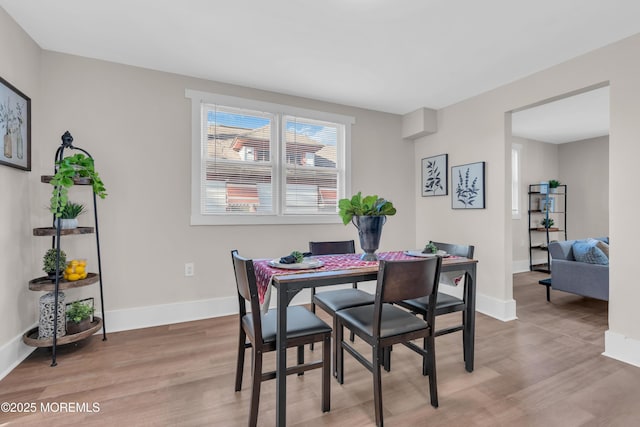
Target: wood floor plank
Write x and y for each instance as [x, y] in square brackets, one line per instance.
[544, 369]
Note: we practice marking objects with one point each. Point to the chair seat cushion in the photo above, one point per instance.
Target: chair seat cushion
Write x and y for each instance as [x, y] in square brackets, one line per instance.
[395, 321]
[300, 322]
[342, 298]
[445, 304]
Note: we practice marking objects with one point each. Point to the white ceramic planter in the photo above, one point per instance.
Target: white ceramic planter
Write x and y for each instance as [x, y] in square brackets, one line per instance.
[67, 223]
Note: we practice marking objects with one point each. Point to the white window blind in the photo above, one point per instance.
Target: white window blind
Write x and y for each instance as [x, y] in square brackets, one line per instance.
[237, 172]
[311, 165]
[260, 163]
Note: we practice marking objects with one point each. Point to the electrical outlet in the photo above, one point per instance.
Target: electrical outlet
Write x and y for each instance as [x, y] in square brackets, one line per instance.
[188, 269]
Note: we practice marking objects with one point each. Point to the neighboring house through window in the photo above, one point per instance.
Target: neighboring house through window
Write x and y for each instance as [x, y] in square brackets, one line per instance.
[262, 163]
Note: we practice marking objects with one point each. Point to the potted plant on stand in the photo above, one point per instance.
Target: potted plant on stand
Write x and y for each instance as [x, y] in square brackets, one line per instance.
[553, 185]
[51, 264]
[77, 168]
[368, 214]
[547, 223]
[69, 216]
[79, 317]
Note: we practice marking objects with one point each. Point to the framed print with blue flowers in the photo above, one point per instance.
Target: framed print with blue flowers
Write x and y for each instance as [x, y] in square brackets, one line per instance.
[467, 186]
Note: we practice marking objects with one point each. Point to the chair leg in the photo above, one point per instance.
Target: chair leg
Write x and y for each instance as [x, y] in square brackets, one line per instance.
[377, 383]
[336, 343]
[313, 310]
[339, 352]
[386, 359]
[433, 383]
[255, 389]
[425, 358]
[326, 373]
[300, 357]
[465, 336]
[240, 365]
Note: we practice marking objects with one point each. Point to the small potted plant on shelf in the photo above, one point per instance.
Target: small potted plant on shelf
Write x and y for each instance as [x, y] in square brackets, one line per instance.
[69, 215]
[49, 263]
[553, 185]
[79, 317]
[547, 222]
[368, 214]
[77, 167]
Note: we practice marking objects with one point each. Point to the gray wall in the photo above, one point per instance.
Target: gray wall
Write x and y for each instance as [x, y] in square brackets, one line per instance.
[584, 167]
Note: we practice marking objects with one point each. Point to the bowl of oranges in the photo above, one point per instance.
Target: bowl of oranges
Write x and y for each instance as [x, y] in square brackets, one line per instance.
[76, 270]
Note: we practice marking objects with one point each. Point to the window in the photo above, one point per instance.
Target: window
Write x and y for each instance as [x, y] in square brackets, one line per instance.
[262, 163]
[516, 151]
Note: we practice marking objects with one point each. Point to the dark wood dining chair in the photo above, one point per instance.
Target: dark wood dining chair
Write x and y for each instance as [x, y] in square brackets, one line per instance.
[331, 248]
[446, 303]
[303, 327]
[382, 324]
[338, 299]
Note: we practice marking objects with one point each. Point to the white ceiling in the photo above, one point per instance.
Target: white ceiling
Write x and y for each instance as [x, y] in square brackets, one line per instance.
[387, 55]
[574, 118]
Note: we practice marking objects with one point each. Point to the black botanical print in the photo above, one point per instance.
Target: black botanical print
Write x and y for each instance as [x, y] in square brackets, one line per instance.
[466, 193]
[434, 180]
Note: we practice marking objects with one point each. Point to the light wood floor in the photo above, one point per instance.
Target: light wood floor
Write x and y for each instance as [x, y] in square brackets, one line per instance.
[544, 369]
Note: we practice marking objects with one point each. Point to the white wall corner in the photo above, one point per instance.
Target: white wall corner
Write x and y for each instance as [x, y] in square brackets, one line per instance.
[504, 310]
[12, 353]
[423, 121]
[622, 348]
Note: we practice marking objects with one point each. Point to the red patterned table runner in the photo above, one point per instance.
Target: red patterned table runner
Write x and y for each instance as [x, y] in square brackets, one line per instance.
[264, 272]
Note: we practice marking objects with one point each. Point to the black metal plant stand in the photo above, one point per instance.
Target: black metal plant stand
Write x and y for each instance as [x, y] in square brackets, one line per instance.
[67, 143]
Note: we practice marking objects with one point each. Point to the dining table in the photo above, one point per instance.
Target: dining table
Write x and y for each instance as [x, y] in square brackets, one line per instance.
[341, 269]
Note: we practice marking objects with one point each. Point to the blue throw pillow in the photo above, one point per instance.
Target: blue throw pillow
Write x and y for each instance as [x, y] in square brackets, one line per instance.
[587, 251]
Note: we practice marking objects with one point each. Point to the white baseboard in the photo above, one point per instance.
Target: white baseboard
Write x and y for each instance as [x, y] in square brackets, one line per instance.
[12, 353]
[520, 266]
[496, 308]
[621, 347]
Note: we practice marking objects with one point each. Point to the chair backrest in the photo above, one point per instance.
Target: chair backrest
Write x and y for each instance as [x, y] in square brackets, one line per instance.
[330, 248]
[458, 250]
[405, 280]
[247, 290]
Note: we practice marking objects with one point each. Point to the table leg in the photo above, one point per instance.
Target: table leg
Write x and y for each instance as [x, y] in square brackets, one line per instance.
[281, 358]
[470, 323]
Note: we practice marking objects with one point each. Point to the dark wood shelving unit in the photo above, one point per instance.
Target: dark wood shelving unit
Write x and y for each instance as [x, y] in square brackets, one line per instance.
[555, 208]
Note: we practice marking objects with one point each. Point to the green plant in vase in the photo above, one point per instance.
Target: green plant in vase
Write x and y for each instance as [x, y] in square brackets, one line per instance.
[368, 214]
[73, 167]
[49, 262]
[7, 117]
[79, 312]
[553, 185]
[547, 222]
[79, 317]
[364, 206]
[69, 215]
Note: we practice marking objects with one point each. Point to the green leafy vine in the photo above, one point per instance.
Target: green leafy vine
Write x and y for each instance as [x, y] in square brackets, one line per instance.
[68, 169]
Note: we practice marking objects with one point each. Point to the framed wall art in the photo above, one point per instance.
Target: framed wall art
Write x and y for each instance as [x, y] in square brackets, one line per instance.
[467, 186]
[15, 127]
[434, 176]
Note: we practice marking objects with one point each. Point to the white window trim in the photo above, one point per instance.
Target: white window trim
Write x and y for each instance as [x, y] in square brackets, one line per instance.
[198, 98]
[517, 213]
